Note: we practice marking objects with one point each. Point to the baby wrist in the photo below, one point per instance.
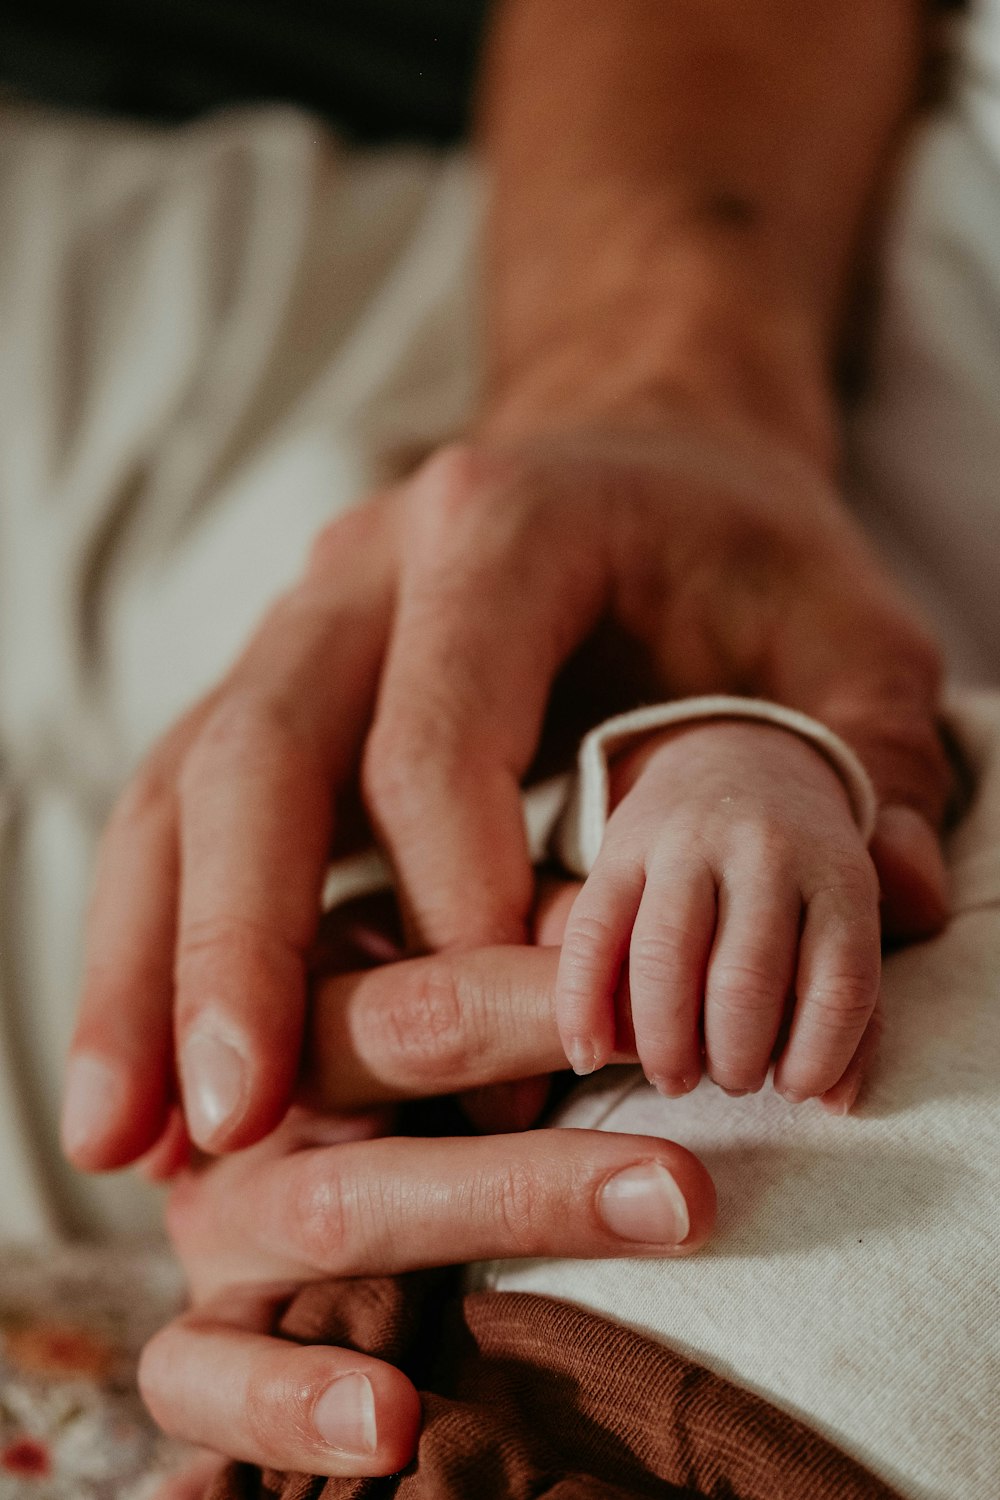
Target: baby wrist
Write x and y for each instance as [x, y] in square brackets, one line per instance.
[578, 835]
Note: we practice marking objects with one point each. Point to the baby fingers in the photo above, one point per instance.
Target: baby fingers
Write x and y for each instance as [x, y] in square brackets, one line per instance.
[594, 949]
[750, 974]
[836, 985]
[671, 941]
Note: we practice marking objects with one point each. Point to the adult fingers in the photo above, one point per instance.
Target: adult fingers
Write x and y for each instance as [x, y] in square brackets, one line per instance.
[257, 793]
[433, 1025]
[120, 1069]
[393, 1205]
[912, 874]
[215, 1377]
[314, 1410]
[517, 1105]
[251, 794]
[483, 622]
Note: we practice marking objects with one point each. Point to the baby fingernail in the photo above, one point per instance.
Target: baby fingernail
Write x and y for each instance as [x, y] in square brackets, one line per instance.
[344, 1415]
[93, 1092]
[214, 1080]
[582, 1056]
[645, 1203]
[840, 1101]
[673, 1088]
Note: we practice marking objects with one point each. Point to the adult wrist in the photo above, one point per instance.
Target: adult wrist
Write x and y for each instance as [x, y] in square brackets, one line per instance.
[696, 321]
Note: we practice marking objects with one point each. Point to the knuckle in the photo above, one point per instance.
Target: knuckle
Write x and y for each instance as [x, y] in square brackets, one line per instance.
[344, 541]
[400, 751]
[229, 932]
[426, 1028]
[234, 730]
[768, 854]
[588, 937]
[320, 1214]
[244, 729]
[422, 744]
[656, 956]
[844, 999]
[453, 481]
[765, 838]
[513, 1203]
[851, 879]
[745, 988]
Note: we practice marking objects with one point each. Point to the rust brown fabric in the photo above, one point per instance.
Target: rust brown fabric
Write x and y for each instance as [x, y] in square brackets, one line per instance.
[526, 1398]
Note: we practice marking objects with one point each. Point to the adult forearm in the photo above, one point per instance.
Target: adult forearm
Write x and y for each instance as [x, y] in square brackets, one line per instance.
[679, 189]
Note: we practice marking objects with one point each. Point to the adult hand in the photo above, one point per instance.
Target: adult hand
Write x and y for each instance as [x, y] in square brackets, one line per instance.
[722, 562]
[324, 1197]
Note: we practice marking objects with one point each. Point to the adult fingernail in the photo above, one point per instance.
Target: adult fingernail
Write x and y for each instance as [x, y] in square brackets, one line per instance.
[645, 1203]
[93, 1094]
[214, 1081]
[344, 1415]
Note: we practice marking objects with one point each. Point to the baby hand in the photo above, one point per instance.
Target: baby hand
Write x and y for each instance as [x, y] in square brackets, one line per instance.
[735, 891]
